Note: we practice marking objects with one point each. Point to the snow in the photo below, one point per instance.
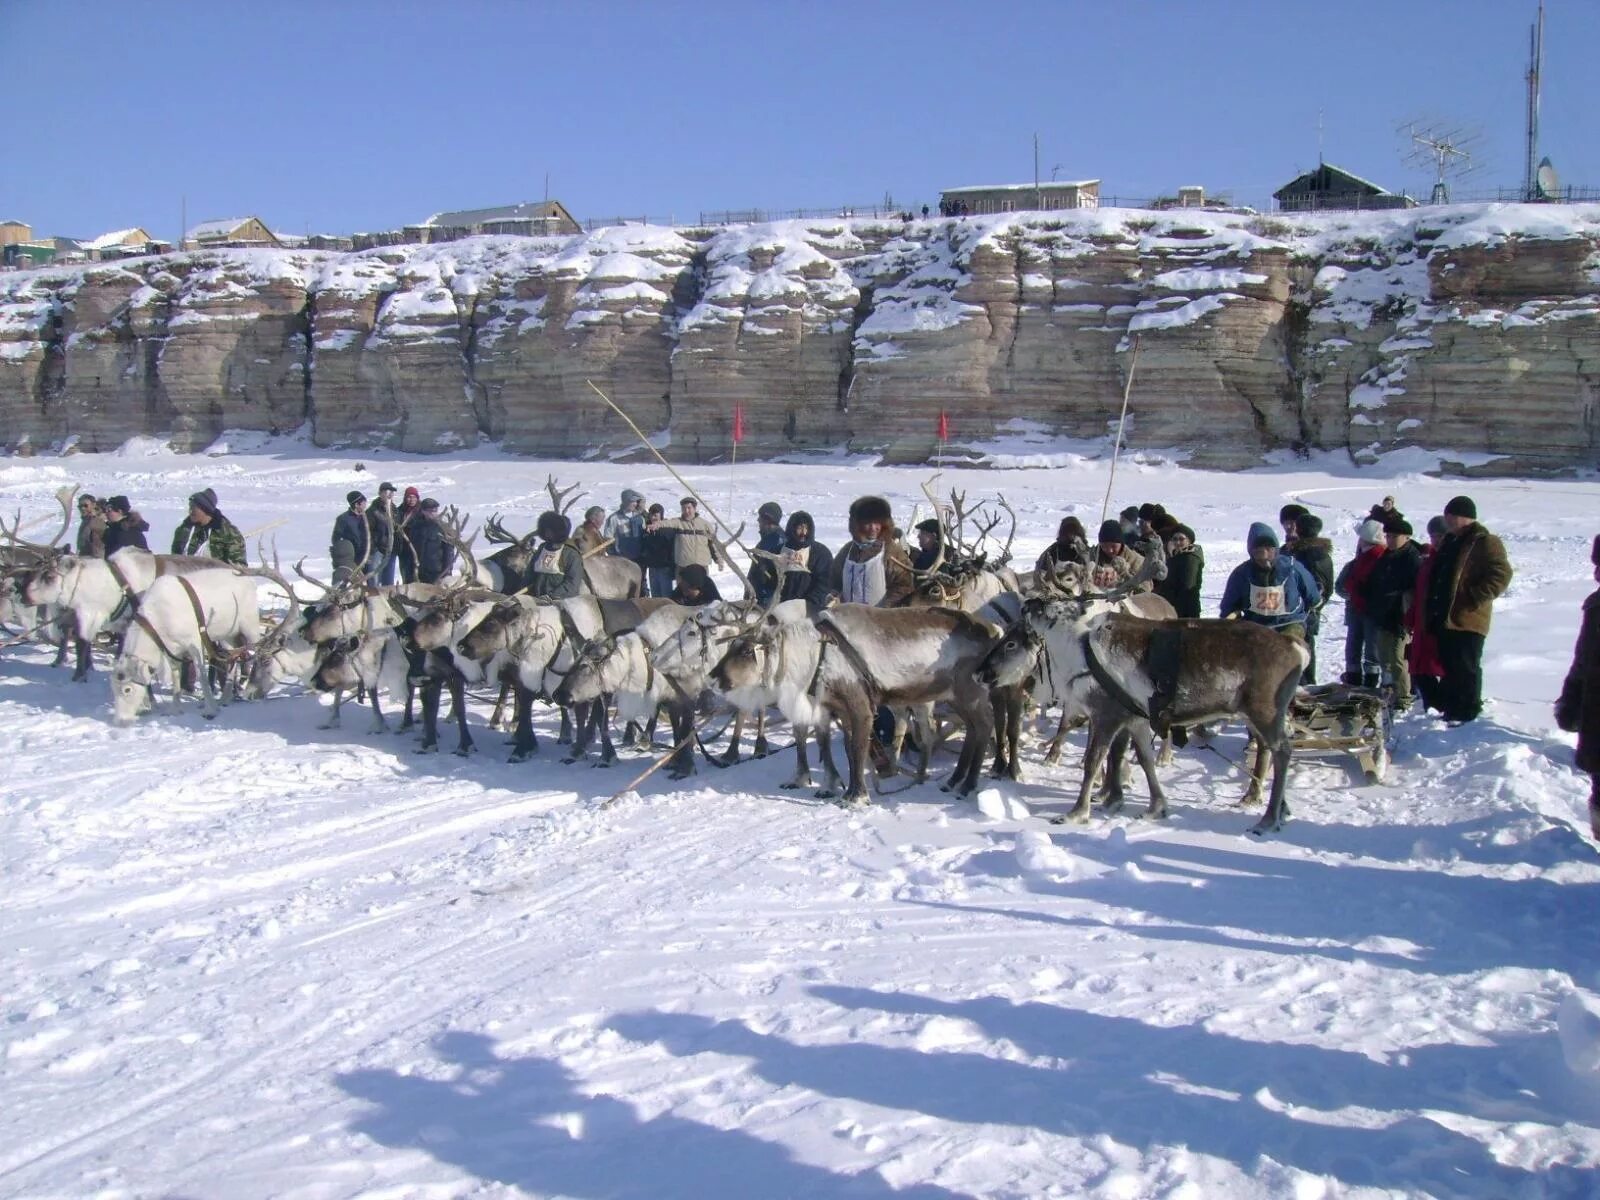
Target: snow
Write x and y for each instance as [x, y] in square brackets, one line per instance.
[253, 958]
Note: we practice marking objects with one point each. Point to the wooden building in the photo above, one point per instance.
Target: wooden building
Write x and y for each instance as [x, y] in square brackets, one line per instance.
[229, 232]
[1331, 187]
[14, 232]
[1046, 196]
[122, 243]
[546, 217]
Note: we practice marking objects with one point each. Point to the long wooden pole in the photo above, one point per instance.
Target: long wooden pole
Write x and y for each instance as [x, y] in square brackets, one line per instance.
[1122, 421]
[687, 486]
[648, 771]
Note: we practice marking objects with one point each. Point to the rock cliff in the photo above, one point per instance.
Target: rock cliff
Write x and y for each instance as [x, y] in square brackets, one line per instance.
[1471, 329]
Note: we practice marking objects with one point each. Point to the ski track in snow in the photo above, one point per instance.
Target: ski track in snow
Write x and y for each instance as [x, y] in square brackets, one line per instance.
[253, 958]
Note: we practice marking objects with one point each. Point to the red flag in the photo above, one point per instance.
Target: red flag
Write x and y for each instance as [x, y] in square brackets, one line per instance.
[738, 424]
[944, 426]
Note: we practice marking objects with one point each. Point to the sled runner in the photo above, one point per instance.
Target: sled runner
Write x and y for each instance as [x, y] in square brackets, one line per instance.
[1332, 718]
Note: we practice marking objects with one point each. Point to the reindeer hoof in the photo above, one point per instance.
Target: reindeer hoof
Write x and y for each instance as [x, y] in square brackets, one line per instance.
[824, 793]
[564, 740]
[731, 758]
[854, 800]
[1154, 813]
[761, 750]
[521, 756]
[570, 759]
[794, 785]
[604, 762]
[1113, 805]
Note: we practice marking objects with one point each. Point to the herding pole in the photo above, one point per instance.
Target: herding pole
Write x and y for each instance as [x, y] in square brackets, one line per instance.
[645, 441]
[1127, 390]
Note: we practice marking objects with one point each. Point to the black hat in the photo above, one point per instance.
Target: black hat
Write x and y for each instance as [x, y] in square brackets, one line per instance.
[1130, 514]
[1292, 512]
[1149, 512]
[1462, 506]
[553, 527]
[695, 576]
[1071, 529]
[353, 498]
[385, 487]
[120, 503]
[770, 511]
[1111, 531]
[429, 505]
[1185, 530]
[205, 501]
[1400, 526]
[1163, 522]
[1309, 525]
[798, 517]
[870, 508]
[929, 526]
[1436, 526]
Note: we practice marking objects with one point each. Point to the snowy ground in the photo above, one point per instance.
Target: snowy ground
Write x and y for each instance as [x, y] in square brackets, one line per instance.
[257, 959]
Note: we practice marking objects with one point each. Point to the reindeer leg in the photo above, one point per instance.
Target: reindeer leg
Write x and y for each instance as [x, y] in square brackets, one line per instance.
[430, 716]
[458, 704]
[1093, 756]
[565, 737]
[602, 716]
[208, 695]
[379, 725]
[498, 716]
[524, 743]
[980, 728]
[80, 673]
[857, 721]
[1052, 754]
[580, 735]
[761, 749]
[831, 783]
[1014, 731]
[1278, 806]
[682, 727]
[802, 768]
[332, 720]
[408, 721]
[730, 756]
[1258, 772]
[1114, 794]
[1143, 746]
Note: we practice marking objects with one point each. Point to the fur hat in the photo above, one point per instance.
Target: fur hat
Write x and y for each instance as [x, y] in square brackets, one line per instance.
[770, 511]
[1462, 506]
[929, 526]
[1309, 526]
[120, 503]
[353, 498]
[694, 576]
[1261, 534]
[1164, 523]
[1071, 530]
[1110, 531]
[870, 508]
[1292, 512]
[1370, 532]
[1185, 531]
[797, 518]
[553, 527]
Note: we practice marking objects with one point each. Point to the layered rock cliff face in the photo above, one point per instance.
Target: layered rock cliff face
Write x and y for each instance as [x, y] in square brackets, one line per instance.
[1473, 329]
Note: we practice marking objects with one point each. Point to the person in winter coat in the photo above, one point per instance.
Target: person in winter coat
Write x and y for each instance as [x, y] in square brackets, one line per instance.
[557, 570]
[930, 540]
[1071, 546]
[655, 554]
[91, 528]
[1578, 709]
[1147, 540]
[1389, 596]
[1269, 588]
[1360, 630]
[763, 571]
[1186, 562]
[624, 529]
[1315, 553]
[591, 534]
[206, 527]
[1113, 560]
[124, 527]
[350, 547]
[1422, 651]
[1289, 517]
[808, 565]
[874, 568]
[1472, 571]
[380, 520]
[434, 555]
[695, 588]
[693, 538]
[405, 554]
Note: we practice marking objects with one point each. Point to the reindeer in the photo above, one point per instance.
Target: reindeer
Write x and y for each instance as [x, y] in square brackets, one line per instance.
[210, 618]
[854, 658]
[509, 570]
[962, 575]
[1137, 677]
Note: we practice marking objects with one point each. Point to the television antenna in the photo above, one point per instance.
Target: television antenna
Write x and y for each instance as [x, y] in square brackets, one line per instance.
[1446, 151]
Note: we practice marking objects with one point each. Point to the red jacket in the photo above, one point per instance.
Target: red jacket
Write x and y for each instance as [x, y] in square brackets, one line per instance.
[1422, 653]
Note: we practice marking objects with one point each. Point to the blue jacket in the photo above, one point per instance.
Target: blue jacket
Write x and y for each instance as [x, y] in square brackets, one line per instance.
[1300, 592]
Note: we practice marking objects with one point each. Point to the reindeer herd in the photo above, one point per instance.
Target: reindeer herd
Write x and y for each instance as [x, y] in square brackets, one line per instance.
[974, 646]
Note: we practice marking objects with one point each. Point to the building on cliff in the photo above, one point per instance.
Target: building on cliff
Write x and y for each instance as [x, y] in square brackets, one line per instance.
[527, 220]
[122, 243]
[228, 233]
[12, 232]
[1331, 187]
[1046, 195]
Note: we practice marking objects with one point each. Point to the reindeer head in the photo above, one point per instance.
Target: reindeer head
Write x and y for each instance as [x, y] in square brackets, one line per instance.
[42, 558]
[130, 688]
[598, 669]
[492, 633]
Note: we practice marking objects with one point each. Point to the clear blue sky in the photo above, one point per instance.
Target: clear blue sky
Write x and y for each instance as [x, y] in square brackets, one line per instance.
[346, 115]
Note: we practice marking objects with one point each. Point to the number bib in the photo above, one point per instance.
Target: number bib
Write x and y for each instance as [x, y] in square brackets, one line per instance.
[1266, 601]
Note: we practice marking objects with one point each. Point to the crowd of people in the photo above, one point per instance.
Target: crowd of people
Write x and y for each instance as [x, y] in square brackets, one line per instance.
[1416, 610]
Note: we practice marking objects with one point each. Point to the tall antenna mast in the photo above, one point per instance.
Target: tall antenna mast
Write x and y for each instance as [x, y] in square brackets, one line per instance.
[1445, 150]
[1530, 187]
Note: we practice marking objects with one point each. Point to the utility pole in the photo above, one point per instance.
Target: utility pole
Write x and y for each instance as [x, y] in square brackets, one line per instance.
[183, 221]
[1038, 201]
[1530, 185]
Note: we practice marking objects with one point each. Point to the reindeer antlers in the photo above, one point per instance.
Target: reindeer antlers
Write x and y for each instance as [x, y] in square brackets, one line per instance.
[559, 494]
[453, 525]
[274, 573]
